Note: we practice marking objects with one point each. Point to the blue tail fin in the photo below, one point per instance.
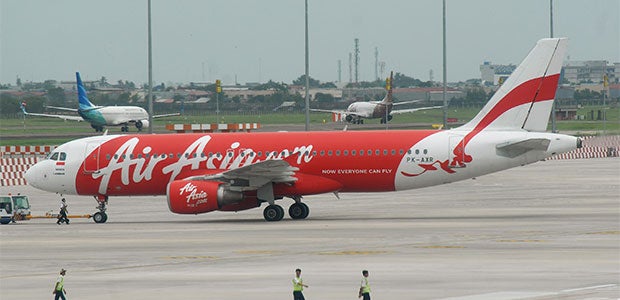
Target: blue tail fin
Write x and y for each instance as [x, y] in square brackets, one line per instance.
[82, 98]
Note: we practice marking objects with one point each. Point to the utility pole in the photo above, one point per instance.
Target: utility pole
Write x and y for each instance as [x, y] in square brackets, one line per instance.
[376, 63]
[357, 58]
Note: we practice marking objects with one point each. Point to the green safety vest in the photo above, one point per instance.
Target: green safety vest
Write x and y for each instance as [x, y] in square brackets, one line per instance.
[365, 286]
[60, 283]
[298, 286]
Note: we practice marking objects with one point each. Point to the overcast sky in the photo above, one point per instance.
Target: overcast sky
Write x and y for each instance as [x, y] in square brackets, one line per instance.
[204, 40]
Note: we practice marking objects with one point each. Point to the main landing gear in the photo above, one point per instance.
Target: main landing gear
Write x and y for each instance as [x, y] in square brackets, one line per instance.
[101, 216]
[297, 210]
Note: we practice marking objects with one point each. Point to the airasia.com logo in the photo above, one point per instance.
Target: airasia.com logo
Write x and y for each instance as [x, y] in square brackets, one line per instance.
[191, 194]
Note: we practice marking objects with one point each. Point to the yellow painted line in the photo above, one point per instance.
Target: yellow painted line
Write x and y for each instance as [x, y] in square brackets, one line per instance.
[441, 247]
[521, 241]
[351, 252]
[257, 252]
[605, 232]
[189, 257]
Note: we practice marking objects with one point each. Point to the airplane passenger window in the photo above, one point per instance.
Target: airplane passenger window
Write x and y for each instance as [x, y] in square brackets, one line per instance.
[425, 151]
[337, 152]
[329, 152]
[345, 152]
[369, 152]
[393, 152]
[171, 155]
[260, 153]
[361, 152]
[115, 156]
[401, 152]
[139, 155]
[409, 151]
[377, 152]
[385, 152]
[417, 151]
[314, 153]
[353, 152]
[108, 156]
[54, 156]
[322, 152]
[178, 155]
[63, 156]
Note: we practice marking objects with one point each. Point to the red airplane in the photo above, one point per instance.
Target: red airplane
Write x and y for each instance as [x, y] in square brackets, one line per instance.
[204, 172]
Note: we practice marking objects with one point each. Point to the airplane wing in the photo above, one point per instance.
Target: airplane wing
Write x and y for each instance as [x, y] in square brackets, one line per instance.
[64, 117]
[62, 108]
[166, 115]
[254, 176]
[402, 111]
[331, 111]
[405, 102]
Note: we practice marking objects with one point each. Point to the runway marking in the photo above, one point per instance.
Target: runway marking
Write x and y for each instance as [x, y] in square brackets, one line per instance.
[521, 241]
[589, 288]
[188, 257]
[257, 252]
[353, 253]
[441, 247]
[605, 232]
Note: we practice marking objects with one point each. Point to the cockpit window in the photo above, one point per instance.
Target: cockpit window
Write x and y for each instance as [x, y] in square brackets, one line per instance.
[54, 156]
[63, 156]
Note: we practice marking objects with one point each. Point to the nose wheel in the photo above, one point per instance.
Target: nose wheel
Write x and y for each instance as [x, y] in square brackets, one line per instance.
[101, 216]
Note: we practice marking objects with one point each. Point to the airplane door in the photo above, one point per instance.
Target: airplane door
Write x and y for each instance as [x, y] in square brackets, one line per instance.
[92, 157]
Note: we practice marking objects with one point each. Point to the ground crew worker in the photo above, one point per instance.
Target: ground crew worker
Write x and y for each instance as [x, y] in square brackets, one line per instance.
[298, 286]
[364, 286]
[59, 288]
[63, 212]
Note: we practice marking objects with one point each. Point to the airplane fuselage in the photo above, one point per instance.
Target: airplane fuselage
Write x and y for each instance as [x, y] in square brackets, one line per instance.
[385, 161]
[114, 115]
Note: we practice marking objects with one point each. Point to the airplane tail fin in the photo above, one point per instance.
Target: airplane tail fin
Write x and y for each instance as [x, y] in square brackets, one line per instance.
[84, 103]
[388, 87]
[23, 108]
[525, 99]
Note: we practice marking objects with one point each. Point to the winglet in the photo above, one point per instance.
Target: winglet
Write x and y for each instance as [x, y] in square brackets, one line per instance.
[82, 98]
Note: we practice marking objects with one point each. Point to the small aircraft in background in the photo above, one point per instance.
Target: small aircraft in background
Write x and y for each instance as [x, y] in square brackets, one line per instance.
[100, 116]
[204, 172]
[360, 110]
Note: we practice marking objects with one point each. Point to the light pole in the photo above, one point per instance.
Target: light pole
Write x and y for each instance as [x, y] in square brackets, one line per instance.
[307, 75]
[553, 126]
[150, 73]
[445, 101]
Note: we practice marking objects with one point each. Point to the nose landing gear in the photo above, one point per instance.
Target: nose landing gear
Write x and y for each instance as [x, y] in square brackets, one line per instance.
[101, 216]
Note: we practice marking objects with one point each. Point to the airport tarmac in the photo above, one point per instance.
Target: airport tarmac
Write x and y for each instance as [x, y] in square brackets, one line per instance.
[550, 230]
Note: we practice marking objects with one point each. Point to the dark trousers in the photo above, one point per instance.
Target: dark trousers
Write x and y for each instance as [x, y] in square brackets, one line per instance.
[63, 218]
[366, 296]
[298, 295]
[60, 294]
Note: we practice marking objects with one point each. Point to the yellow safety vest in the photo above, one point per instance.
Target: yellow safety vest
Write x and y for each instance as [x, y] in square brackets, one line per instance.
[365, 285]
[298, 284]
[60, 283]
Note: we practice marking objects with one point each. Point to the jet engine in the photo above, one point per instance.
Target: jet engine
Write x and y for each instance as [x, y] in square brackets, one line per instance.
[142, 124]
[196, 197]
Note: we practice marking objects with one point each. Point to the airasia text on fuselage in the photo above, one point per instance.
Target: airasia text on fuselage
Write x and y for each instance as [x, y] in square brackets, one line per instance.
[144, 165]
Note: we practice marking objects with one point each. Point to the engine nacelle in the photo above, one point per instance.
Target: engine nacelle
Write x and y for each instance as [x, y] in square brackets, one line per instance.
[142, 124]
[196, 196]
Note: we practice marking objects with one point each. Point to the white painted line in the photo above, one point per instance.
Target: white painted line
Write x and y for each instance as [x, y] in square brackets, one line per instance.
[589, 288]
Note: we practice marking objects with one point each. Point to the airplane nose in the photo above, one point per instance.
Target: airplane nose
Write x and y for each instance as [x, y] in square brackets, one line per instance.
[32, 176]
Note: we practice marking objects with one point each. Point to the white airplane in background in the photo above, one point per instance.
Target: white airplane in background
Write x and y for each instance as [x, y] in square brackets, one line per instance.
[100, 116]
[360, 110]
[203, 172]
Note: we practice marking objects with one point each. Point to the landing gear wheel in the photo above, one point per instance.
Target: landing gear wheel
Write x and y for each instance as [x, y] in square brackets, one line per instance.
[298, 211]
[273, 212]
[100, 217]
